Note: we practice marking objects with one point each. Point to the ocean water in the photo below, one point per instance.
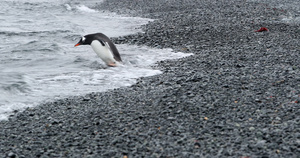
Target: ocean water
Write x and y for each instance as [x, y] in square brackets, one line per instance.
[38, 60]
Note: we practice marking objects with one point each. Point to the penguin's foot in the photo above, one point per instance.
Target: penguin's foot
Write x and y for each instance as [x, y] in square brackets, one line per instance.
[112, 64]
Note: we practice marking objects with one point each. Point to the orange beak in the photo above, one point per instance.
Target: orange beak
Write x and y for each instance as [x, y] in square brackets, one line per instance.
[77, 44]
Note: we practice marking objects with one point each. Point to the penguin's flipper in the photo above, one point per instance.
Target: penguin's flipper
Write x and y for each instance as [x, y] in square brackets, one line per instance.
[102, 43]
[113, 50]
[105, 44]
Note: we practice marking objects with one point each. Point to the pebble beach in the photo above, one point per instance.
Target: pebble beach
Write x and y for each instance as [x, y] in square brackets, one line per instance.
[238, 95]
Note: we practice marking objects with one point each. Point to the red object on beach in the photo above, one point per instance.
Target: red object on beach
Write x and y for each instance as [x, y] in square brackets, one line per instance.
[262, 29]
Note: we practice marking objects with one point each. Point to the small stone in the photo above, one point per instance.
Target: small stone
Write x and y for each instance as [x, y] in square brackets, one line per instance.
[171, 118]
[12, 155]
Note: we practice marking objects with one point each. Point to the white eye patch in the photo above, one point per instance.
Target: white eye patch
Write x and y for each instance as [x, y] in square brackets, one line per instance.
[83, 39]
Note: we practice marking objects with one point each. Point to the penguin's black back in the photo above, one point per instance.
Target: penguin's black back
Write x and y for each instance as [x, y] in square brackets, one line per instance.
[103, 39]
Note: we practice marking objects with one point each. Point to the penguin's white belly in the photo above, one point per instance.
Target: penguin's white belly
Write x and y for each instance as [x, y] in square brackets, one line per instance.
[103, 52]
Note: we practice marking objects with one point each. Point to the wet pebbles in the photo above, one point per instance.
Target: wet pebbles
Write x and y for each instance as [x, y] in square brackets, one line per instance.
[238, 96]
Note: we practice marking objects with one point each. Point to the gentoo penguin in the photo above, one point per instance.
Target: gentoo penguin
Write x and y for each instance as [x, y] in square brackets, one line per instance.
[103, 47]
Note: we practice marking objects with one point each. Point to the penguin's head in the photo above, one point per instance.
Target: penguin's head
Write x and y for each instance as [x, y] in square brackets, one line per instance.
[84, 41]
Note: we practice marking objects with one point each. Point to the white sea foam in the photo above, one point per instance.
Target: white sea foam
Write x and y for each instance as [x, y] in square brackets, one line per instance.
[84, 8]
[68, 7]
